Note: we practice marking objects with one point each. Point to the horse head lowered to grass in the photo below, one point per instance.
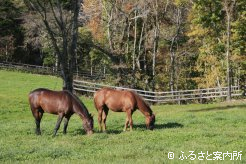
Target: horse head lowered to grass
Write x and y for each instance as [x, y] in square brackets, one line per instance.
[121, 101]
[61, 103]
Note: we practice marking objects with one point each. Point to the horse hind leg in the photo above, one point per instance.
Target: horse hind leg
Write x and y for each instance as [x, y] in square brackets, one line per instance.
[100, 111]
[37, 114]
[104, 118]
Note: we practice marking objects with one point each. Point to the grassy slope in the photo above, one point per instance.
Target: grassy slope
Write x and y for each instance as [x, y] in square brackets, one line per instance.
[212, 127]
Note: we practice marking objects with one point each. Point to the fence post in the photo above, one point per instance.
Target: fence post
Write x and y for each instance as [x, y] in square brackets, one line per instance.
[200, 92]
[179, 98]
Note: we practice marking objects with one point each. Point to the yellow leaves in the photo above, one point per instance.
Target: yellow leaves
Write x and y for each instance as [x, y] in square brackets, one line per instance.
[237, 58]
[197, 30]
[211, 59]
[210, 79]
[211, 69]
[206, 62]
[181, 2]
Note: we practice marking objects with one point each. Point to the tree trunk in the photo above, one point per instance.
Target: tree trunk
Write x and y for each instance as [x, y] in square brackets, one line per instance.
[173, 50]
[72, 50]
[67, 80]
[229, 7]
[6, 53]
[172, 69]
[156, 40]
[128, 35]
[140, 46]
[109, 21]
[228, 72]
[134, 44]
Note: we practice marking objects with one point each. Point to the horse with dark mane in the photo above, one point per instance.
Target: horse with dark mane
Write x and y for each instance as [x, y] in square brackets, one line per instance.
[121, 101]
[61, 103]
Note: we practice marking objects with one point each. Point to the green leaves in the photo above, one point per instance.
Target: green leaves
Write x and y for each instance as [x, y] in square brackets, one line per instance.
[209, 31]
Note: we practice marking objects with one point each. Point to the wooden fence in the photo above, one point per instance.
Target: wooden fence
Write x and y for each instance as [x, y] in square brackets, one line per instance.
[29, 68]
[85, 74]
[164, 97]
[155, 97]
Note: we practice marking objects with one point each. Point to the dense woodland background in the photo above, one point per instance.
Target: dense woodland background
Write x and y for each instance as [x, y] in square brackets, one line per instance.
[147, 44]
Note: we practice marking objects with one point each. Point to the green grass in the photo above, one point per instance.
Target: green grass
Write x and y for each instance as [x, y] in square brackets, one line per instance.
[195, 127]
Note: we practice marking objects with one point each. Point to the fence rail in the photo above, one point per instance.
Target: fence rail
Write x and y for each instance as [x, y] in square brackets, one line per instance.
[156, 97]
[85, 74]
[164, 97]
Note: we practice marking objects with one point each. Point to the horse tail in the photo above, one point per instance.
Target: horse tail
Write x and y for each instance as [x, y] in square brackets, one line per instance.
[95, 98]
[33, 99]
[97, 95]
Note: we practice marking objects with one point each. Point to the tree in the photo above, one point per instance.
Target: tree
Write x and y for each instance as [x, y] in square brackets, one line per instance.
[131, 30]
[179, 14]
[61, 22]
[229, 6]
[217, 31]
[11, 33]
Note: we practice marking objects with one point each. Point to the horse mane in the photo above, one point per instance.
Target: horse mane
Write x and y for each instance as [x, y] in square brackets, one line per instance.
[80, 103]
[141, 104]
[86, 116]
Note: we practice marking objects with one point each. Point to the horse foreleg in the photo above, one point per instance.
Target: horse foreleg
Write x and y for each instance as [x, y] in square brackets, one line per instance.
[126, 124]
[129, 115]
[58, 123]
[66, 124]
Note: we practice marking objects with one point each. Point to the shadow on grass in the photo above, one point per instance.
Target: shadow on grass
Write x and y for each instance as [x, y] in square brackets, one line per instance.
[108, 131]
[143, 127]
[135, 126]
[162, 126]
[226, 107]
[114, 131]
[78, 132]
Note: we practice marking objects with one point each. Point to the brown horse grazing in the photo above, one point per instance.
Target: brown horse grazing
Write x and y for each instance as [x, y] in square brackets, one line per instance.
[62, 103]
[121, 101]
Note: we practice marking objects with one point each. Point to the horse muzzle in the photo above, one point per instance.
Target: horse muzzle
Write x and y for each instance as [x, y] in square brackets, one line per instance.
[90, 132]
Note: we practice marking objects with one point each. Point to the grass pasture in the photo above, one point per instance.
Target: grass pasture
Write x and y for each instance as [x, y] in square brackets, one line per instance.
[202, 128]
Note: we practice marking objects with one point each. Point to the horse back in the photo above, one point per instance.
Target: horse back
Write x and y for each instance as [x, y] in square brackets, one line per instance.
[116, 100]
[49, 101]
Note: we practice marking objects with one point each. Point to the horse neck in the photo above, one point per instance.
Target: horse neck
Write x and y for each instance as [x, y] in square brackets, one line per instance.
[143, 107]
[80, 108]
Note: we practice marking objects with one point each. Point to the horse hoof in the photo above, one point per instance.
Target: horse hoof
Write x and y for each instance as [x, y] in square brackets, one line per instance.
[38, 133]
